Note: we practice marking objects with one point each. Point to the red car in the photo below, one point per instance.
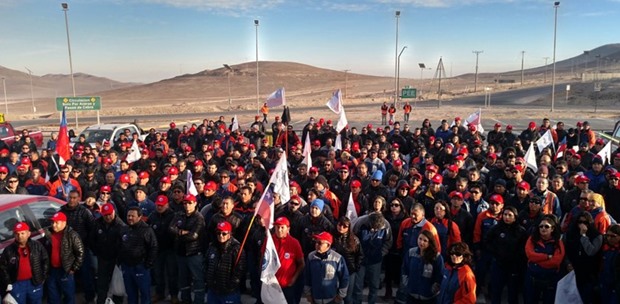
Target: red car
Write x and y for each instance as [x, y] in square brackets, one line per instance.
[33, 209]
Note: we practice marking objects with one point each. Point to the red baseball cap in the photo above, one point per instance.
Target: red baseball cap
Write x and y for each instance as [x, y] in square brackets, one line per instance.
[457, 194]
[523, 185]
[124, 178]
[161, 200]
[398, 162]
[165, 179]
[173, 170]
[211, 185]
[437, 179]
[496, 198]
[224, 226]
[105, 188]
[107, 209]
[356, 184]
[189, 198]
[59, 216]
[581, 178]
[325, 237]
[143, 175]
[432, 168]
[453, 168]
[282, 221]
[198, 162]
[531, 125]
[21, 226]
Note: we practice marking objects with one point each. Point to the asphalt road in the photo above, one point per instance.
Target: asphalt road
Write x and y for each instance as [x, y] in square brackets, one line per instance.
[515, 99]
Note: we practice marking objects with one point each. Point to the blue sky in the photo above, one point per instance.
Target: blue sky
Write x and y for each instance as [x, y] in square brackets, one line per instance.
[150, 40]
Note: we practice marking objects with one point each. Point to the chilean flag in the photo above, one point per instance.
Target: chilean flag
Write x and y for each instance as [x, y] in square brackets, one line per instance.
[561, 149]
[62, 143]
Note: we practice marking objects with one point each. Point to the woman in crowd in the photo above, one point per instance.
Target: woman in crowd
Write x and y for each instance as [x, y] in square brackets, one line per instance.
[393, 260]
[545, 252]
[459, 283]
[348, 245]
[600, 217]
[448, 231]
[583, 243]
[422, 270]
[610, 272]
[506, 242]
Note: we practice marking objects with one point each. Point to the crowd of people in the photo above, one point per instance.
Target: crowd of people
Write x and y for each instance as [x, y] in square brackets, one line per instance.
[441, 215]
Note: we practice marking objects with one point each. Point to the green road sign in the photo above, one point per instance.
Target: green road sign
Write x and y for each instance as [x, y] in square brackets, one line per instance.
[408, 93]
[84, 103]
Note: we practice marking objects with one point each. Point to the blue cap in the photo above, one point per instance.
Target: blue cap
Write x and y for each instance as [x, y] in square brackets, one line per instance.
[378, 175]
[318, 203]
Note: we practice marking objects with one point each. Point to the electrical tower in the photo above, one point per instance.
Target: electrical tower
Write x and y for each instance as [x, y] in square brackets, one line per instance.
[440, 73]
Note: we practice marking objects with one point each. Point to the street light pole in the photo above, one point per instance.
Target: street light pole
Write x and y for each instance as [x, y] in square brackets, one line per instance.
[476, 75]
[65, 8]
[257, 81]
[34, 109]
[397, 15]
[398, 76]
[6, 100]
[522, 63]
[555, 30]
[228, 71]
[345, 83]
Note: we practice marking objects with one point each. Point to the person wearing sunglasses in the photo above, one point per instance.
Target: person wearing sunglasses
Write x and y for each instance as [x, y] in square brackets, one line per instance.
[545, 252]
[225, 265]
[12, 186]
[326, 272]
[459, 283]
[609, 272]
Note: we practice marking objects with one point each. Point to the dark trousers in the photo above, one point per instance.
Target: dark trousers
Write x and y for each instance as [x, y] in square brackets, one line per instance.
[166, 269]
[535, 287]
[85, 276]
[105, 270]
[26, 293]
[233, 298]
[137, 283]
[393, 263]
[191, 278]
[501, 278]
[60, 287]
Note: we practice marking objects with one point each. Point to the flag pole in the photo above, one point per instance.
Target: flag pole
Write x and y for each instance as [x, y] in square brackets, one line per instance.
[245, 238]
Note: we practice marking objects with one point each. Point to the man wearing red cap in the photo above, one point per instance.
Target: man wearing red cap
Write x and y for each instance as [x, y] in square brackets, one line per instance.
[225, 265]
[291, 260]
[326, 275]
[496, 136]
[24, 266]
[485, 221]
[188, 228]
[223, 212]
[529, 135]
[66, 252]
[105, 240]
[165, 268]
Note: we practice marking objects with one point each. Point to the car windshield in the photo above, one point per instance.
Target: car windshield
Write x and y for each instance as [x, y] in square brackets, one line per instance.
[93, 136]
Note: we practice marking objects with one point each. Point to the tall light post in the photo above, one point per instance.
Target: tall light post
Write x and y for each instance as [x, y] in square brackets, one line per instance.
[476, 75]
[397, 15]
[398, 76]
[555, 30]
[257, 81]
[346, 74]
[522, 64]
[65, 8]
[228, 71]
[34, 109]
[6, 100]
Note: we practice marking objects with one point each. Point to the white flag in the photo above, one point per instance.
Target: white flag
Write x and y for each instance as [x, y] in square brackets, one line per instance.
[342, 121]
[190, 186]
[545, 140]
[605, 153]
[235, 124]
[276, 98]
[476, 120]
[335, 103]
[134, 155]
[307, 152]
[530, 158]
[270, 291]
[278, 183]
[351, 212]
[338, 143]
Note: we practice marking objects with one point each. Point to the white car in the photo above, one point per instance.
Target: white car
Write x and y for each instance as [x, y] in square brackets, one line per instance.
[108, 132]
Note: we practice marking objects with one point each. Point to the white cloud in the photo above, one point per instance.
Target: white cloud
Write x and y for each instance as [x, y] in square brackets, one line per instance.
[348, 7]
[226, 5]
[443, 3]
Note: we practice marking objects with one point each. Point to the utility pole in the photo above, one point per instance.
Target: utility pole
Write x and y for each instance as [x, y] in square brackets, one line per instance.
[397, 15]
[545, 75]
[476, 75]
[522, 62]
[345, 83]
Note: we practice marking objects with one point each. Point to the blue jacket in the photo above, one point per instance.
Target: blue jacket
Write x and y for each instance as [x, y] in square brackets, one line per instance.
[375, 244]
[326, 275]
[420, 276]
